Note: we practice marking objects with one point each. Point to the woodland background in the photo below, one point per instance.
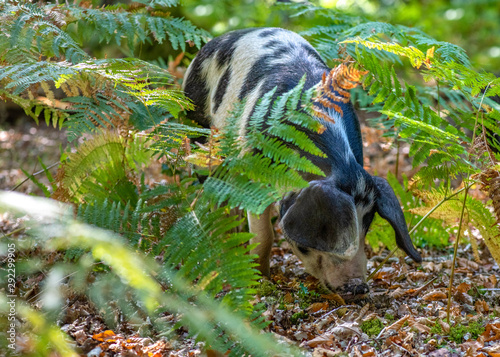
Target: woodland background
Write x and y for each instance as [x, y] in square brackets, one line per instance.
[141, 260]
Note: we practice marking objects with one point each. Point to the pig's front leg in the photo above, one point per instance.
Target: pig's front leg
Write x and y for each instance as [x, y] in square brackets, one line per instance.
[264, 235]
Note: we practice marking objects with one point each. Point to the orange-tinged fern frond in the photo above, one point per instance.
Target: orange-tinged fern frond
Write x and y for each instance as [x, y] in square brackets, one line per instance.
[489, 177]
[335, 87]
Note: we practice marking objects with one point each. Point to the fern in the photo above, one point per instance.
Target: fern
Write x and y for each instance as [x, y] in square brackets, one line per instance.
[105, 85]
[104, 177]
[112, 159]
[277, 141]
[32, 29]
[133, 275]
[476, 214]
[184, 221]
[431, 233]
[435, 119]
[222, 262]
[137, 27]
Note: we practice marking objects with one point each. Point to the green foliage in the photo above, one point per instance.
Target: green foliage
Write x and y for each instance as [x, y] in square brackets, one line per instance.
[206, 269]
[372, 327]
[223, 263]
[259, 169]
[112, 159]
[267, 288]
[435, 119]
[460, 333]
[132, 273]
[431, 233]
[301, 315]
[207, 275]
[137, 25]
[475, 215]
[40, 48]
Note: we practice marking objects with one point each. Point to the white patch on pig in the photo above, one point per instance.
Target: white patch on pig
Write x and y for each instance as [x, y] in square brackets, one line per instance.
[248, 50]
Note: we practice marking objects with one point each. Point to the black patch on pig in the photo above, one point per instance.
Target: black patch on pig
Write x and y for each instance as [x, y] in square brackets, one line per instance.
[321, 217]
[221, 89]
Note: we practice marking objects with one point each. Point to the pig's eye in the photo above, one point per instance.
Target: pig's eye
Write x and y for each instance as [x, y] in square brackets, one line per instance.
[303, 250]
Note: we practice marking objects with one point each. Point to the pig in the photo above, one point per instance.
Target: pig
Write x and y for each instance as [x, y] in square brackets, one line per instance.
[326, 222]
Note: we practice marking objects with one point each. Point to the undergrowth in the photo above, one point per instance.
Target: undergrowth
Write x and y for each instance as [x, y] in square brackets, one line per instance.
[127, 113]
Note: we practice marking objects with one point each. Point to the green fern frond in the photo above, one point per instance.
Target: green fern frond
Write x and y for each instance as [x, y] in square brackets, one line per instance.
[158, 3]
[106, 86]
[476, 214]
[137, 26]
[430, 233]
[266, 162]
[99, 170]
[263, 169]
[20, 76]
[34, 30]
[446, 51]
[223, 261]
[132, 275]
[239, 191]
[416, 57]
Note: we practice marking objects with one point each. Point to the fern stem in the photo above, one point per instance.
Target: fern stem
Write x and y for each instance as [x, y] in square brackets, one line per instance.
[438, 97]
[397, 157]
[391, 253]
[15, 231]
[437, 206]
[35, 174]
[455, 250]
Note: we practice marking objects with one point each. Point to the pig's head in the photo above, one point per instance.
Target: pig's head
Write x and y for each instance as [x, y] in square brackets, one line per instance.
[326, 224]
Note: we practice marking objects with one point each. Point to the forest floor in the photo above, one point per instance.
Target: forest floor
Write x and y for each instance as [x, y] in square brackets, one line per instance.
[404, 315]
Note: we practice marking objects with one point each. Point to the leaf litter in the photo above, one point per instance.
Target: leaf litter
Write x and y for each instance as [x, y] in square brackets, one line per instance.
[405, 314]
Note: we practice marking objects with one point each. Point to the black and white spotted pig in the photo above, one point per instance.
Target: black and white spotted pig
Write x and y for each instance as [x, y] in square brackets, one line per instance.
[326, 222]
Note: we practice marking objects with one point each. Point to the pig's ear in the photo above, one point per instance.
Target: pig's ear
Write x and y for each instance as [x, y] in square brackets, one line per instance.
[323, 218]
[388, 207]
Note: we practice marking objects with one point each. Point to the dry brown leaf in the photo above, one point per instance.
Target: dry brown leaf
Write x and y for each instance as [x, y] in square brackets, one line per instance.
[418, 326]
[107, 336]
[346, 330]
[468, 264]
[434, 295]
[325, 339]
[395, 339]
[318, 306]
[368, 351]
[385, 274]
[288, 298]
[356, 351]
[398, 293]
[481, 306]
[323, 352]
[471, 348]
[463, 287]
[398, 324]
[363, 312]
[444, 326]
[334, 297]
[301, 335]
[492, 332]
[432, 267]
[464, 298]
[493, 351]
[157, 349]
[493, 279]
[417, 275]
